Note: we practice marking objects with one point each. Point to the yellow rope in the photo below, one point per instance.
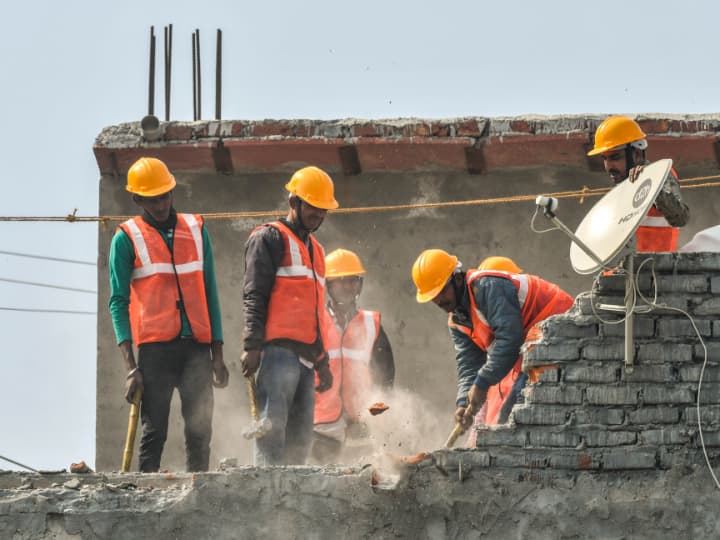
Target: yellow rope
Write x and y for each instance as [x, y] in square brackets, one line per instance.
[577, 194]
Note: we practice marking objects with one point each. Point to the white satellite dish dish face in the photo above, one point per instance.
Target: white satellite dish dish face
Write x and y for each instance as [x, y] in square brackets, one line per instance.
[610, 224]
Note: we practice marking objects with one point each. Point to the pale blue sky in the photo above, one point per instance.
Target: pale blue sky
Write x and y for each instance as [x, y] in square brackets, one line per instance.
[71, 68]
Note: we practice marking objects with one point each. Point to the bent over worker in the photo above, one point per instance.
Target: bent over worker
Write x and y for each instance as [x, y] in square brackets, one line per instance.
[622, 145]
[490, 315]
[360, 356]
[284, 303]
[163, 298]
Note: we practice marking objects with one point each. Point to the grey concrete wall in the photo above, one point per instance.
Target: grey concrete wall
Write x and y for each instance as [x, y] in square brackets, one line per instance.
[432, 501]
[388, 243]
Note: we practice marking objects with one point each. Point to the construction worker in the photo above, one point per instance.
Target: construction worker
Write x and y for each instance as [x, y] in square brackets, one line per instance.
[490, 314]
[622, 145]
[284, 304]
[503, 264]
[361, 359]
[163, 298]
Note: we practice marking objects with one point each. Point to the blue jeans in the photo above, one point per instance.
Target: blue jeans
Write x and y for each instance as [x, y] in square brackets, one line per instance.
[286, 396]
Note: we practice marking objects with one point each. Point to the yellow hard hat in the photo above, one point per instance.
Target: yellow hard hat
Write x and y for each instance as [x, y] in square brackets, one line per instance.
[149, 177]
[431, 271]
[342, 263]
[615, 131]
[314, 186]
[504, 264]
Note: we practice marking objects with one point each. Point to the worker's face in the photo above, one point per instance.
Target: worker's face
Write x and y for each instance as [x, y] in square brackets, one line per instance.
[445, 299]
[311, 216]
[158, 207]
[616, 165]
[344, 290]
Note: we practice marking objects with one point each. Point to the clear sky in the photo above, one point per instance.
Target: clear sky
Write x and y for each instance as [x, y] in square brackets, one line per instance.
[70, 68]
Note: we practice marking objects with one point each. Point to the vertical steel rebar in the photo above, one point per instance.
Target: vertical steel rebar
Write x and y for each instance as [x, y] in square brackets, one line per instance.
[194, 79]
[151, 82]
[218, 75]
[199, 71]
[168, 69]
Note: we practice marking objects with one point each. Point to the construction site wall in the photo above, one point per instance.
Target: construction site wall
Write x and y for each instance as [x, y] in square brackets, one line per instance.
[242, 166]
[599, 449]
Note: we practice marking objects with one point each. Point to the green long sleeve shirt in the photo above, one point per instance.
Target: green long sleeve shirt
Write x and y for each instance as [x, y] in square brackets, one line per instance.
[121, 262]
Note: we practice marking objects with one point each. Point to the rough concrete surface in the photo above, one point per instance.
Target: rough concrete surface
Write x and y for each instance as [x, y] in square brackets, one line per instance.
[432, 500]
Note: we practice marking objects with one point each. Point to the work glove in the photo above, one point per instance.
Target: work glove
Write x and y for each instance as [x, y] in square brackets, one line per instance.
[324, 375]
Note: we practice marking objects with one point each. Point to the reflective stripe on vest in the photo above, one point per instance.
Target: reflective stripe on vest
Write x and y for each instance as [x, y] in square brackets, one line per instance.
[350, 354]
[297, 298]
[656, 234]
[154, 282]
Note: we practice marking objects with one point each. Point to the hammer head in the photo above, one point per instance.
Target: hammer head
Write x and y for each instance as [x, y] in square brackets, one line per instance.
[257, 428]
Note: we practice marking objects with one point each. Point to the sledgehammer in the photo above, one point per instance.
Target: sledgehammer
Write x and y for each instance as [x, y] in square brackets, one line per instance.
[454, 434]
[259, 427]
[132, 429]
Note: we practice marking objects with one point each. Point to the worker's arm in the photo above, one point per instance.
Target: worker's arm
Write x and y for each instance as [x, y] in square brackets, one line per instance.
[263, 254]
[382, 363]
[120, 263]
[469, 359]
[220, 371]
[670, 203]
[497, 299]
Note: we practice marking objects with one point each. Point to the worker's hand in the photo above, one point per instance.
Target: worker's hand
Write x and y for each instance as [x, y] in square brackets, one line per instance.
[250, 361]
[476, 399]
[324, 375]
[460, 417]
[221, 375]
[634, 173]
[132, 383]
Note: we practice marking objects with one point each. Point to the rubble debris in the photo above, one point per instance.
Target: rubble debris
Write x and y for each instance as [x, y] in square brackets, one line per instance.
[80, 468]
[378, 408]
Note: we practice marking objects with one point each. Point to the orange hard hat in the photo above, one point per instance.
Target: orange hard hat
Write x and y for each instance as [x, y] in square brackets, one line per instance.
[149, 177]
[504, 264]
[314, 186]
[616, 131]
[342, 263]
[431, 271]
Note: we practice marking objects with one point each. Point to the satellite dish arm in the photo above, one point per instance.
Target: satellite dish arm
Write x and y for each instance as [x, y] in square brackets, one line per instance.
[549, 205]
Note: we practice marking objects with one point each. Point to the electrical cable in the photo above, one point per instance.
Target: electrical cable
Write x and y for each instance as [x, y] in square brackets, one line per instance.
[46, 258]
[32, 310]
[19, 464]
[35, 284]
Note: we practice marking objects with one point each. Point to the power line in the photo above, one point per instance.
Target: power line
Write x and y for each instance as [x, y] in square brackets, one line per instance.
[31, 310]
[43, 257]
[47, 285]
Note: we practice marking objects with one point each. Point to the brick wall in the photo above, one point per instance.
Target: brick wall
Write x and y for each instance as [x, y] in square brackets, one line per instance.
[588, 412]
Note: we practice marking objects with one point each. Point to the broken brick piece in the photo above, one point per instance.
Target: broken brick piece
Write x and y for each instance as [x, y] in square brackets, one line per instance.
[80, 468]
[377, 408]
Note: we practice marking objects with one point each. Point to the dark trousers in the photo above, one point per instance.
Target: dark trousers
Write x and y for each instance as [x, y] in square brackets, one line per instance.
[186, 365]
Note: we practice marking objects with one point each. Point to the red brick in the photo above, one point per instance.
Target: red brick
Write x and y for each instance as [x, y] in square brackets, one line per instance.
[178, 133]
[684, 149]
[416, 130]
[270, 128]
[303, 130]
[285, 155]
[469, 128]
[439, 130]
[654, 125]
[367, 130]
[237, 129]
[522, 126]
[526, 150]
[405, 154]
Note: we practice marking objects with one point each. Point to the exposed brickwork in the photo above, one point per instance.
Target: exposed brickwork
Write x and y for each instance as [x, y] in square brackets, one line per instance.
[594, 414]
[401, 144]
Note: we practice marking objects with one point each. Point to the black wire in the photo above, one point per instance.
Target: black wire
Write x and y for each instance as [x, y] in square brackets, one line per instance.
[47, 285]
[58, 259]
[3, 308]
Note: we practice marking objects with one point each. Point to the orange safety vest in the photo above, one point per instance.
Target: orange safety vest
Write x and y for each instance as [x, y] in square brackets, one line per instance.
[159, 276]
[538, 300]
[350, 352]
[297, 298]
[655, 233]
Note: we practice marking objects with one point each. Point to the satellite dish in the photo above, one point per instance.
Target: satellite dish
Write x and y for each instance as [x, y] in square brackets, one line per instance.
[610, 224]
